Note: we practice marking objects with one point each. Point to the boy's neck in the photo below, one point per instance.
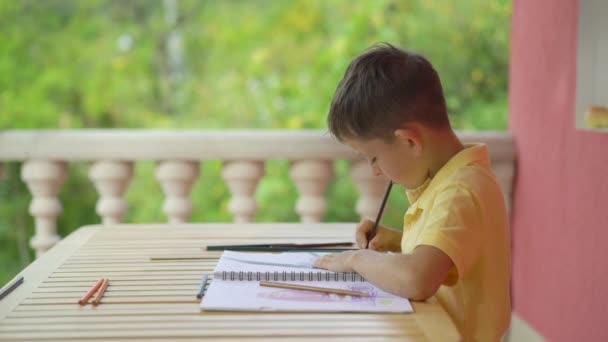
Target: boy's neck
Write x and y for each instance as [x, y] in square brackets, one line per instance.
[444, 146]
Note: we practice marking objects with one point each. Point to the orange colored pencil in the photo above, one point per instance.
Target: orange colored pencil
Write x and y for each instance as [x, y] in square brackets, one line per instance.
[102, 290]
[89, 294]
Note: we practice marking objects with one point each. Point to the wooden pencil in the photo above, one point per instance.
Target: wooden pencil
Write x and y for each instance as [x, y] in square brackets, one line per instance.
[372, 232]
[181, 258]
[91, 292]
[102, 290]
[314, 288]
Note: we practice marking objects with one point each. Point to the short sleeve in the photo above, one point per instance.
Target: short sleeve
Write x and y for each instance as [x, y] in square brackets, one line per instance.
[454, 226]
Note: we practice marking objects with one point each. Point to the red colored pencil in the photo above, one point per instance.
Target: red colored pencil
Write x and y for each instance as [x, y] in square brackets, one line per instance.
[91, 292]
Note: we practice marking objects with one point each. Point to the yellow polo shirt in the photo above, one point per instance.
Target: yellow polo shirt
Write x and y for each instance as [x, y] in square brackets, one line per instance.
[462, 212]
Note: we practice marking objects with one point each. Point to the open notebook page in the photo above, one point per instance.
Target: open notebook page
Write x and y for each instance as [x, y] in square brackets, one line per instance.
[239, 293]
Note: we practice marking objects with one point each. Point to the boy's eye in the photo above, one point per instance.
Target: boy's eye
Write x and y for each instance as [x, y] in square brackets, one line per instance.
[373, 160]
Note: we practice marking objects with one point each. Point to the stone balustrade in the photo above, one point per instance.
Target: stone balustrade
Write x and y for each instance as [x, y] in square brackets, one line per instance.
[179, 153]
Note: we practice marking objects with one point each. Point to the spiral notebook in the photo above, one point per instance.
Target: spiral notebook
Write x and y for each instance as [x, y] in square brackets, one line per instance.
[236, 286]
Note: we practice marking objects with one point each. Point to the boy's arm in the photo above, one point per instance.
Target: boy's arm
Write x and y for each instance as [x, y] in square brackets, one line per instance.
[416, 276]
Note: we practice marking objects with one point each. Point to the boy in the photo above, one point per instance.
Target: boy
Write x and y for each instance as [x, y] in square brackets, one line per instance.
[455, 246]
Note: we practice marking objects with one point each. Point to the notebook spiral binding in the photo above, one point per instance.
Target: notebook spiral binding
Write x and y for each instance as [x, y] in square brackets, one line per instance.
[288, 276]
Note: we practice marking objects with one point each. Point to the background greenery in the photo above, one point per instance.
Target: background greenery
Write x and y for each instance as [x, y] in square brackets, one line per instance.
[240, 64]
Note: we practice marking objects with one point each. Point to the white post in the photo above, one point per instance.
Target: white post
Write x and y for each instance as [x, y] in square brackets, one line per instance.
[111, 179]
[243, 178]
[311, 178]
[371, 188]
[44, 180]
[504, 172]
[176, 179]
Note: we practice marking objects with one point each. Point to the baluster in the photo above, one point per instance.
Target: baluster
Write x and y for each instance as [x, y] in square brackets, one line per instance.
[44, 180]
[311, 178]
[111, 179]
[371, 188]
[176, 179]
[504, 172]
[243, 178]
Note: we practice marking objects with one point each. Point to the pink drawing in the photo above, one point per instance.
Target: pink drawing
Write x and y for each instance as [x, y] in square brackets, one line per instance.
[310, 296]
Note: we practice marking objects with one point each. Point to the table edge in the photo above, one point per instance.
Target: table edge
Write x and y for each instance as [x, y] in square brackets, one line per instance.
[39, 270]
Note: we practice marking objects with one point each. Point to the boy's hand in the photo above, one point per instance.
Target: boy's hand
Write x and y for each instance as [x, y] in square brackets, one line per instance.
[386, 239]
[337, 262]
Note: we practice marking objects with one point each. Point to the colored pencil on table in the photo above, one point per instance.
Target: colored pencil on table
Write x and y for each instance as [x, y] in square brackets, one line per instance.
[102, 290]
[10, 287]
[314, 288]
[91, 292]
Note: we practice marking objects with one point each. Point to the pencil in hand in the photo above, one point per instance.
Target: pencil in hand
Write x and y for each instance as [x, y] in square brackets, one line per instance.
[372, 232]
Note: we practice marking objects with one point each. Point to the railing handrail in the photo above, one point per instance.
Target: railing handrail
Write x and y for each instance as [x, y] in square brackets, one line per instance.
[185, 144]
[178, 154]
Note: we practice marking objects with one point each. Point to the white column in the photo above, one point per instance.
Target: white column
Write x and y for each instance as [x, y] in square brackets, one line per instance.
[311, 178]
[44, 179]
[176, 178]
[242, 178]
[371, 188]
[504, 172]
[111, 178]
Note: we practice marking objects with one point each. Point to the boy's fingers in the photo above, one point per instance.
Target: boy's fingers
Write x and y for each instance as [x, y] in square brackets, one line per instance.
[372, 245]
[377, 246]
[323, 262]
[361, 237]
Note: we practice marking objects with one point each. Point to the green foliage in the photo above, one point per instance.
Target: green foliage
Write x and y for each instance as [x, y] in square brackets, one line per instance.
[243, 64]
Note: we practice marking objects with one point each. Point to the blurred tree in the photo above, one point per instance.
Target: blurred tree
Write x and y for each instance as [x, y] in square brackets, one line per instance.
[222, 64]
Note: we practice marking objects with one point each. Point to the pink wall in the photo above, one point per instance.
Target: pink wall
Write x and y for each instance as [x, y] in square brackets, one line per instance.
[560, 222]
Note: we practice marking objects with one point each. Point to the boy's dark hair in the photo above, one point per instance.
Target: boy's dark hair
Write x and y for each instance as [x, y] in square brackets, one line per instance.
[382, 89]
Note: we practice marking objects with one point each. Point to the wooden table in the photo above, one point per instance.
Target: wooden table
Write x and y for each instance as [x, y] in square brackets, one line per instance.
[155, 300]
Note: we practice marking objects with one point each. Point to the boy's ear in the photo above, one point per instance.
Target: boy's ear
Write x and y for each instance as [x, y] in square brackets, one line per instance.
[410, 136]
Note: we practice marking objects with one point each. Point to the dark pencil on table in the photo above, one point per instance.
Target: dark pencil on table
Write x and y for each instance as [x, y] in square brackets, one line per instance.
[285, 249]
[269, 246]
[314, 289]
[201, 290]
[372, 232]
[91, 292]
[10, 287]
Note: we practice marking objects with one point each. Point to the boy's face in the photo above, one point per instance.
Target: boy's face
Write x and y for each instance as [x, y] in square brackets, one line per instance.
[399, 160]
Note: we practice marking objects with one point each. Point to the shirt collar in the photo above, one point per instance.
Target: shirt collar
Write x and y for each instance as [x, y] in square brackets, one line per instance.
[414, 194]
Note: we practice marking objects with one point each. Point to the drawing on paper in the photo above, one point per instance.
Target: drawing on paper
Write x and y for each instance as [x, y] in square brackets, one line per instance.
[310, 296]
